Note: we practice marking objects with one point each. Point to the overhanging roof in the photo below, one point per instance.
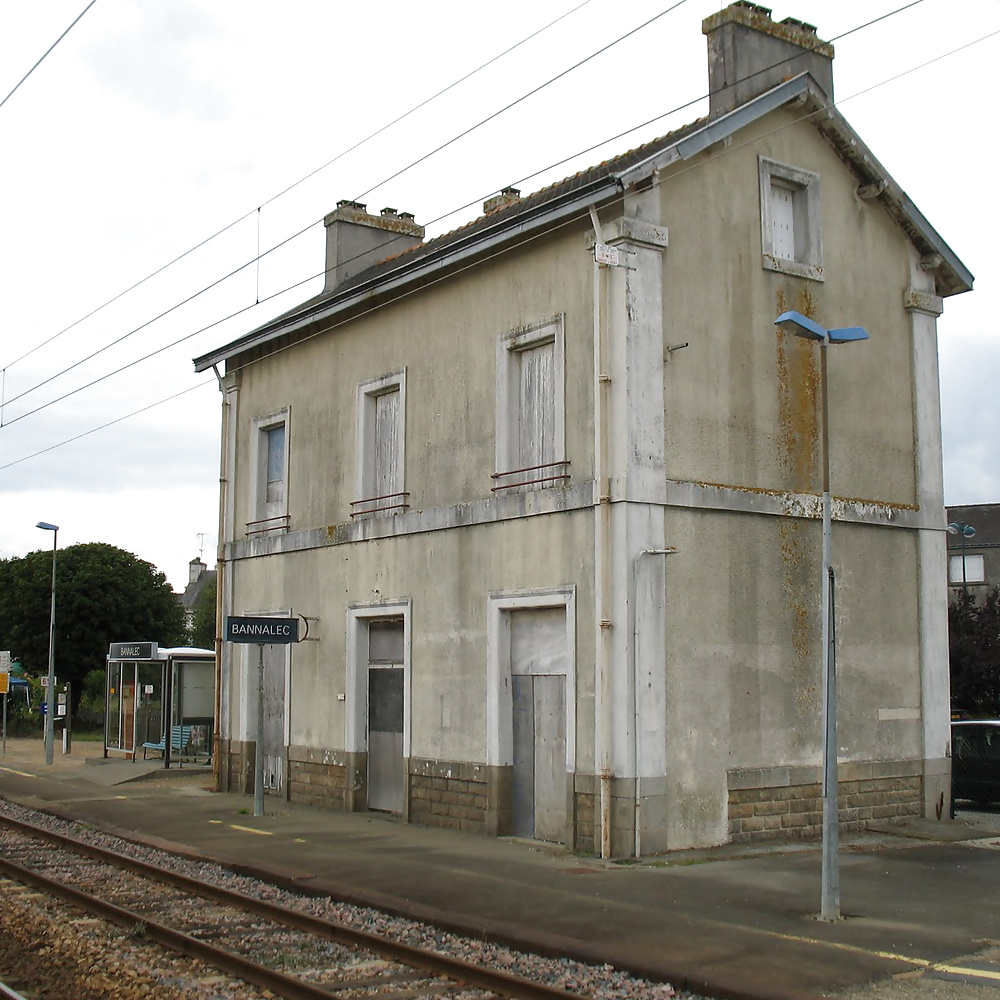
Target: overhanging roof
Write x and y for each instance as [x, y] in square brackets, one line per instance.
[560, 202]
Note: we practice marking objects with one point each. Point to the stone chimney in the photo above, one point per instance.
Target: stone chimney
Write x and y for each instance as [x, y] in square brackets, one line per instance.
[508, 196]
[195, 568]
[356, 240]
[748, 54]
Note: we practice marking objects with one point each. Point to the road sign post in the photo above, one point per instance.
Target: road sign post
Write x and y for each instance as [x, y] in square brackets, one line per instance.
[4, 687]
[261, 632]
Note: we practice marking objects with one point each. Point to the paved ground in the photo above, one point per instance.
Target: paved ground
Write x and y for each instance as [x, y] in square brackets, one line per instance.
[918, 900]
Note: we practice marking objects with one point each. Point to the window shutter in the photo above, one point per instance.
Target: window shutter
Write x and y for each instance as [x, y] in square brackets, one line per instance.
[537, 404]
[386, 457]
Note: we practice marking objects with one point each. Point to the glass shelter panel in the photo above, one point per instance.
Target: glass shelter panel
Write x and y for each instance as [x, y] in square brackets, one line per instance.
[113, 723]
[149, 704]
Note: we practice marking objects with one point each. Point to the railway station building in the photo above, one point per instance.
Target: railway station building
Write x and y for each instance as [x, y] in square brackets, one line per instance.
[546, 492]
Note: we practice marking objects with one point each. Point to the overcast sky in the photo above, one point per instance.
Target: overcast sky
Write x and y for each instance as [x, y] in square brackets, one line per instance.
[155, 124]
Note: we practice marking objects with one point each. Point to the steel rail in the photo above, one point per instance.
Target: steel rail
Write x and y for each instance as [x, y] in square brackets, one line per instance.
[503, 984]
[226, 961]
[9, 993]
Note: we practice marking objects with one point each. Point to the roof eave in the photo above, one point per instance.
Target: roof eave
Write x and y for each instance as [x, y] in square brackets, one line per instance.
[952, 277]
[387, 285]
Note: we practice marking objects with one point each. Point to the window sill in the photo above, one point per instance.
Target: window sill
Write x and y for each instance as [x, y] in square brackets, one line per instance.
[814, 272]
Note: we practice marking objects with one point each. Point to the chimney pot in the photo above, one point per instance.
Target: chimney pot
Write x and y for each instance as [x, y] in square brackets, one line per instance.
[389, 211]
[507, 196]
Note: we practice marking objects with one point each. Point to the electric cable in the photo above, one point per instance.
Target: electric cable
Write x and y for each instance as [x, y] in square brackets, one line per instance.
[403, 170]
[238, 312]
[301, 180]
[451, 273]
[46, 52]
[232, 273]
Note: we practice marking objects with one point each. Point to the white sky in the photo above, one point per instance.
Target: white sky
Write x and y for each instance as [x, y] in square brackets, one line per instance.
[153, 125]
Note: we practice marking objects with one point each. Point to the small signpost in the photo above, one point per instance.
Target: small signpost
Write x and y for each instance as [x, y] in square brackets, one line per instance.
[4, 686]
[261, 632]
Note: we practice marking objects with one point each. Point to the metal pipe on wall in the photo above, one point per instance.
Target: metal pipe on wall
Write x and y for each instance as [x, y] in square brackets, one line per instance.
[602, 529]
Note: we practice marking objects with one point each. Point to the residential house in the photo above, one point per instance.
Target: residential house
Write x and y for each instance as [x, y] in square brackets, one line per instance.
[546, 491]
[973, 549]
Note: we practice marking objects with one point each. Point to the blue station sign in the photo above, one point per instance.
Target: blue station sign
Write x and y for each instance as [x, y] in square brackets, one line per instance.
[264, 631]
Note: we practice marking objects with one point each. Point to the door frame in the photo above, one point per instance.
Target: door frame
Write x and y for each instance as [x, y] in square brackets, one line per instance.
[499, 698]
[356, 686]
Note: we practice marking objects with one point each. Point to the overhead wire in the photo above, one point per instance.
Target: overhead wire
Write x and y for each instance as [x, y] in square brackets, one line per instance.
[256, 261]
[451, 273]
[46, 52]
[5, 422]
[238, 312]
[301, 180]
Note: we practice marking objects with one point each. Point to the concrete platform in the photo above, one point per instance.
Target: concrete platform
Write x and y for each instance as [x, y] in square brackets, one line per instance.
[728, 922]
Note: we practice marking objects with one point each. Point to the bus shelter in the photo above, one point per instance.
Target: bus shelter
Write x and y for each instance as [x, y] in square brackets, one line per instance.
[159, 702]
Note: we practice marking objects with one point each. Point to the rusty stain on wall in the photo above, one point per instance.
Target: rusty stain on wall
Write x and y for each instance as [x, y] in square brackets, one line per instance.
[798, 401]
[799, 459]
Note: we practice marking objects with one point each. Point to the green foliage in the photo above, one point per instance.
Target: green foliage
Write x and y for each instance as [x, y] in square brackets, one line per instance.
[203, 623]
[974, 639]
[103, 595]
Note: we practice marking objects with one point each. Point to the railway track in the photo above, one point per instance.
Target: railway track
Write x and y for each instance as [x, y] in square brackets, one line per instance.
[291, 953]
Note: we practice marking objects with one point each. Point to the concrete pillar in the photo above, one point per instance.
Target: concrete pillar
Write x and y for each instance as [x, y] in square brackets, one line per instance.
[924, 306]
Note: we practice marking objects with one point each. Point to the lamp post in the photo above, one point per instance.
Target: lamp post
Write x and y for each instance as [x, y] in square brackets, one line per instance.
[802, 326]
[50, 691]
[966, 531]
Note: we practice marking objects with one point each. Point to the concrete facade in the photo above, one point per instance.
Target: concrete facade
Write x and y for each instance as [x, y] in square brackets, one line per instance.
[675, 526]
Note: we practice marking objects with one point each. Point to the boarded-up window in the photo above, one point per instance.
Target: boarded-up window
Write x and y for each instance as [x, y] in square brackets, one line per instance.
[531, 399]
[783, 221]
[385, 460]
[381, 444]
[536, 405]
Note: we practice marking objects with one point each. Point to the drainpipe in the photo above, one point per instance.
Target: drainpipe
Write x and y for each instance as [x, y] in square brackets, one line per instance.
[602, 571]
[636, 703]
[223, 579]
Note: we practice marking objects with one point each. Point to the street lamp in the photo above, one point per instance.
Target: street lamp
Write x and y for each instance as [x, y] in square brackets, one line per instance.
[966, 531]
[50, 691]
[801, 326]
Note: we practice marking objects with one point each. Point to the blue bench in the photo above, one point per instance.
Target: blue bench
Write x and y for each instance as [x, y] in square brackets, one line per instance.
[180, 737]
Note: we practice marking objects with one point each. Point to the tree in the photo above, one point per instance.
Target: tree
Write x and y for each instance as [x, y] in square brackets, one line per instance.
[974, 640]
[103, 595]
[203, 617]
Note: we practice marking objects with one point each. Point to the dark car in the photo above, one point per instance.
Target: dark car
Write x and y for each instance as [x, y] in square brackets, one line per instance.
[975, 760]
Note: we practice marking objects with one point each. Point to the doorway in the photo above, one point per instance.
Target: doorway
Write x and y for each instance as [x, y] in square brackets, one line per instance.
[274, 719]
[538, 658]
[386, 767]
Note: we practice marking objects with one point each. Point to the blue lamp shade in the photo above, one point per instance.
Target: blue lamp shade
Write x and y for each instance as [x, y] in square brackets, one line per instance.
[802, 326]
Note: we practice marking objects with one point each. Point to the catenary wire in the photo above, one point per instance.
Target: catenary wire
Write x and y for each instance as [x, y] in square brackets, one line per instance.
[452, 273]
[301, 180]
[6, 402]
[238, 312]
[47, 51]
[232, 273]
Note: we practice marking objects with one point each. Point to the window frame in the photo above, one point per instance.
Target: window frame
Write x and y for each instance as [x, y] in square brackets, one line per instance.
[509, 345]
[262, 509]
[368, 392]
[807, 228]
[955, 563]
